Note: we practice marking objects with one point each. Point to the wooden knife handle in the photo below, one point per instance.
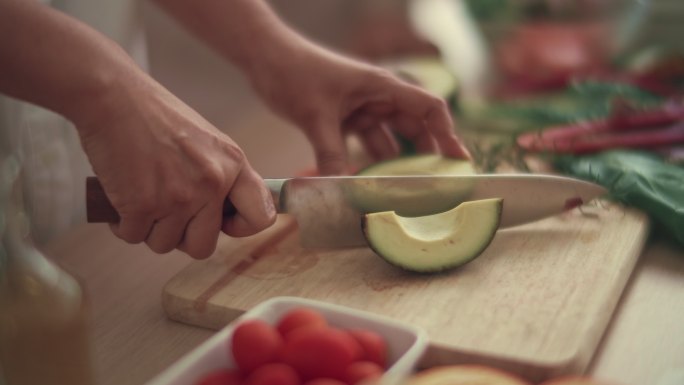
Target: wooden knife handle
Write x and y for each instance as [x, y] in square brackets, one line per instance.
[100, 210]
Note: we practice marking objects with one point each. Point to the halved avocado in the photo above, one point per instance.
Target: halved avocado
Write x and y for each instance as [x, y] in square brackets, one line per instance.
[426, 164]
[437, 242]
[407, 199]
[429, 72]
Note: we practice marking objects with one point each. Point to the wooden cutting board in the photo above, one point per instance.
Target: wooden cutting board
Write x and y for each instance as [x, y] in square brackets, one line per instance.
[536, 302]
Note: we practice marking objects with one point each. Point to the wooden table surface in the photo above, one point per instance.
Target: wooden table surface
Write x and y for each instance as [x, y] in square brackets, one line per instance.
[133, 339]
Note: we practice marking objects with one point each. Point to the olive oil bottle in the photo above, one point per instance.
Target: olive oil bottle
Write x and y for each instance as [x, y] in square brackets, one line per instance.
[43, 312]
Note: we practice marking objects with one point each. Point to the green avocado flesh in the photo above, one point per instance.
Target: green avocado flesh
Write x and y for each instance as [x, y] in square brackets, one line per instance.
[437, 242]
[429, 164]
[370, 196]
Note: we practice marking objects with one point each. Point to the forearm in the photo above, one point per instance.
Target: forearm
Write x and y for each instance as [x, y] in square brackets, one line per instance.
[57, 62]
[247, 32]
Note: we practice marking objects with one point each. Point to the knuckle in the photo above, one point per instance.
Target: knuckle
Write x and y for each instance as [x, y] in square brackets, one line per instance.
[142, 205]
[308, 117]
[433, 104]
[132, 239]
[235, 154]
[224, 172]
[212, 177]
[438, 103]
[266, 222]
[160, 247]
[329, 156]
[180, 195]
[381, 75]
[331, 163]
[200, 251]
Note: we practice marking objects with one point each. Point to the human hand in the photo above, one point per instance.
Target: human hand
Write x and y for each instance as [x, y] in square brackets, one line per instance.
[329, 96]
[167, 171]
[326, 95]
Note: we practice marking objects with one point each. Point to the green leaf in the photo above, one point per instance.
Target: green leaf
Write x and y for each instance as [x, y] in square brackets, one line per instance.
[638, 179]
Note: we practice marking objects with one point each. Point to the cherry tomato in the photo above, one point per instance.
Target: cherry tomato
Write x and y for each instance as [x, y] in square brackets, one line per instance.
[273, 374]
[362, 370]
[298, 318]
[222, 377]
[320, 352]
[324, 381]
[255, 343]
[373, 346]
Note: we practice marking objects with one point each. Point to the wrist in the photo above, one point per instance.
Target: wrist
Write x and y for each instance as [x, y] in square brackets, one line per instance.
[101, 93]
[265, 44]
[268, 45]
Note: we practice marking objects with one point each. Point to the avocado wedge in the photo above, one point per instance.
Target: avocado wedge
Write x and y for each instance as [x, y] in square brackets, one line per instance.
[434, 243]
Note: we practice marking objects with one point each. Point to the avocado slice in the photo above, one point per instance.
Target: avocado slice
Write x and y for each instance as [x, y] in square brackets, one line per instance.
[370, 196]
[437, 242]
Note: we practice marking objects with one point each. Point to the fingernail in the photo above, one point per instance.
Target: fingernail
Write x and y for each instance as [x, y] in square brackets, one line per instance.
[466, 152]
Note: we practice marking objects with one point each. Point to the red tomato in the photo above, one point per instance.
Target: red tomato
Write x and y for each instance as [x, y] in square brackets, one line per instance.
[222, 377]
[373, 346]
[320, 352]
[273, 374]
[362, 370]
[541, 52]
[298, 318]
[255, 343]
[324, 381]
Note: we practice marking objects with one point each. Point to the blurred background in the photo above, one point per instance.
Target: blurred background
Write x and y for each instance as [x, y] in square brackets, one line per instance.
[220, 93]
[479, 42]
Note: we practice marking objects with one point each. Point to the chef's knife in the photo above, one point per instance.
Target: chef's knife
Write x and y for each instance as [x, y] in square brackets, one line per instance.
[328, 209]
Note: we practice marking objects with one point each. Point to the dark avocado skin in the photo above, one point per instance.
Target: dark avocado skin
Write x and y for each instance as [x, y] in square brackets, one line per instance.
[444, 268]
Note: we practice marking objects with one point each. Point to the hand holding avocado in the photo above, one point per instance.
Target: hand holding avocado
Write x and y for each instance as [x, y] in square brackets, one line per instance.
[329, 96]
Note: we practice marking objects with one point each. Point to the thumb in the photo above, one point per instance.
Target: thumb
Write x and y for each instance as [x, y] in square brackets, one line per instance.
[329, 148]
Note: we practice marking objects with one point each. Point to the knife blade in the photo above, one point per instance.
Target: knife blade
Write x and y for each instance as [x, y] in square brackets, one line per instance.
[328, 210]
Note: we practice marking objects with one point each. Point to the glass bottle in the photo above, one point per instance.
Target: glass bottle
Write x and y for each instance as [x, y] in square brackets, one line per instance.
[43, 312]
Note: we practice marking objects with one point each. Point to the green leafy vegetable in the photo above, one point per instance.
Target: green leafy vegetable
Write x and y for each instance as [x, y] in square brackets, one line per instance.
[638, 179]
[487, 10]
[580, 101]
[496, 124]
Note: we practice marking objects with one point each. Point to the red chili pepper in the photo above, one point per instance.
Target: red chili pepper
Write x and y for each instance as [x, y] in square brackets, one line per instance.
[634, 139]
[632, 129]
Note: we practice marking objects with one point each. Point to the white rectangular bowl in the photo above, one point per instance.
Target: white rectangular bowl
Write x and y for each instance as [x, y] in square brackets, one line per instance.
[405, 343]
